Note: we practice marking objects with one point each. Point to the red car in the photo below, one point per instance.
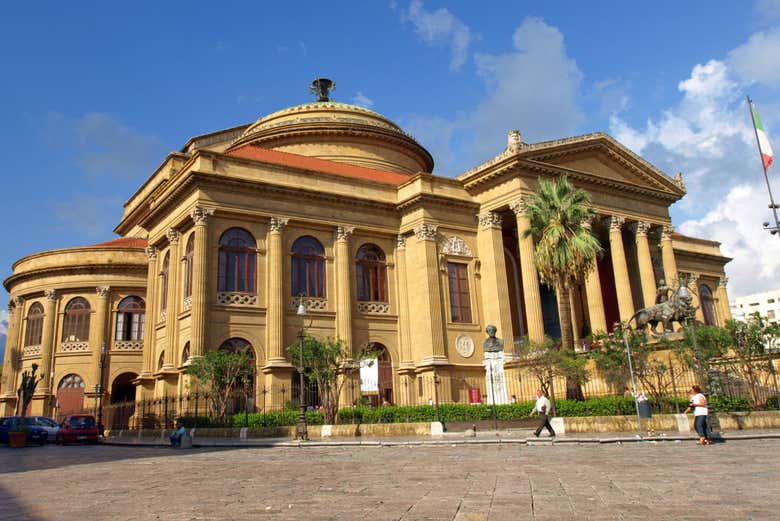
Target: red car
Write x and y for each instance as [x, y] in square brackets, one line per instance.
[78, 428]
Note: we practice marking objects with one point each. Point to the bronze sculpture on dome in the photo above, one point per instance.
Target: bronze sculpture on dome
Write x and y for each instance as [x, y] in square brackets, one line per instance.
[322, 87]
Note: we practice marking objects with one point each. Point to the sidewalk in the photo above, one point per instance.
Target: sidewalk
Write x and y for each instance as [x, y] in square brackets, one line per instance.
[516, 437]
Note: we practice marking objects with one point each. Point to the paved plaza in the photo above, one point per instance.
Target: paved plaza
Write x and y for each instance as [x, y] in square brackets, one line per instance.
[643, 481]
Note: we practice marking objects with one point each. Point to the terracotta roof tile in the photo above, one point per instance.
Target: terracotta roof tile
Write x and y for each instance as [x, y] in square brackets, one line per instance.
[314, 163]
[122, 242]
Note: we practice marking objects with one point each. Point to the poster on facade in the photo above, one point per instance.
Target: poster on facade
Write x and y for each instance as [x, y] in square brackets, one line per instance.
[369, 376]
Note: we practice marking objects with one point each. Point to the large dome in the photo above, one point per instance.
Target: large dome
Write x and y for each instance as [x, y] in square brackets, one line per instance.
[339, 132]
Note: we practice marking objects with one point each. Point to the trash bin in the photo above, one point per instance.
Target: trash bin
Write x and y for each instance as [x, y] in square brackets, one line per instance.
[644, 409]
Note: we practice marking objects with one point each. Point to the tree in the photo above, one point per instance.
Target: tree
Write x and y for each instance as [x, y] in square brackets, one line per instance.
[221, 373]
[566, 249]
[26, 389]
[327, 362]
[750, 341]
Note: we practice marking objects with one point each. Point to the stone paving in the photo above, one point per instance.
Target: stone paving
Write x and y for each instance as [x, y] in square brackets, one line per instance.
[632, 481]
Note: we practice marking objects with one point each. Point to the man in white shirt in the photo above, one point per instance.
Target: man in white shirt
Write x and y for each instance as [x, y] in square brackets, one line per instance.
[542, 408]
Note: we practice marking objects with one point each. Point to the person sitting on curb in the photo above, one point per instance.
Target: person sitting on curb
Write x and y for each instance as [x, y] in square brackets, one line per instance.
[542, 408]
[177, 435]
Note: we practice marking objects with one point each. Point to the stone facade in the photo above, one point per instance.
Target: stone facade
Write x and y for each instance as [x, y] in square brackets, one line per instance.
[397, 256]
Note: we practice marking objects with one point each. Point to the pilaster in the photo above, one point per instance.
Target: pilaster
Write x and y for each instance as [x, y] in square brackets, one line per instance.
[12, 353]
[404, 334]
[101, 325]
[200, 270]
[174, 304]
[495, 287]
[48, 340]
[151, 313]
[724, 310]
[343, 286]
[531, 296]
[426, 316]
[620, 268]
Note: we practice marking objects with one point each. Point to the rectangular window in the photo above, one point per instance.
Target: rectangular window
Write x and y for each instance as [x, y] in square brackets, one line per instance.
[770, 301]
[460, 300]
[770, 313]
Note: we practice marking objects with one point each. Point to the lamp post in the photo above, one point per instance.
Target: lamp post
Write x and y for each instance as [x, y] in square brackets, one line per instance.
[436, 393]
[102, 367]
[302, 431]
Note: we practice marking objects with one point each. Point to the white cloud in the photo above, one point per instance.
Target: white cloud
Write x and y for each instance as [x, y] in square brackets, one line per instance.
[441, 27]
[3, 321]
[362, 100]
[756, 60]
[736, 222]
[89, 215]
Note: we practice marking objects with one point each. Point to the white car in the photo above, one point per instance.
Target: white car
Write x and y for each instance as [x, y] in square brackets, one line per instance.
[49, 425]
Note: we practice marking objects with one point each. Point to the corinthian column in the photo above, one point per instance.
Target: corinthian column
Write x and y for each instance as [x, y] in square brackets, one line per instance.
[598, 320]
[11, 353]
[101, 325]
[200, 216]
[404, 334]
[275, 310]
[47, 339]
[531, 297]
[620, 267]
[343, 286]
[495, 289]
[667, 256]
[645, 264]
[724, 310]
[151, 312]
[174, 304]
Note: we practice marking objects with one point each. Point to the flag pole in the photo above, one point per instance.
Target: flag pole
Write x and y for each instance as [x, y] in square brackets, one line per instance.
[772, 204]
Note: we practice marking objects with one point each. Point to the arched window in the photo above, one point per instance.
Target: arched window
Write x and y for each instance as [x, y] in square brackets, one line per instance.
[308, 267]
[185, 354]
[164, 281]
[237, 250]
[371, 274]
[75, 325]
[71, 381]
[32, 336]
[707, 304]
[189, 256]
[236, 345]
[130, 318]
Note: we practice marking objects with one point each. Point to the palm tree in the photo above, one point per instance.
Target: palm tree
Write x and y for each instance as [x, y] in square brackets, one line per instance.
[566, 250]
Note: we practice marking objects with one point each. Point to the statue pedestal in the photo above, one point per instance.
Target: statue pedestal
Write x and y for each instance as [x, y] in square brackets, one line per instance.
[495, 378]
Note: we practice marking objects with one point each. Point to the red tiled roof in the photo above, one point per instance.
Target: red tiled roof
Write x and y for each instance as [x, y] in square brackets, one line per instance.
[122, 242]
[314, 163]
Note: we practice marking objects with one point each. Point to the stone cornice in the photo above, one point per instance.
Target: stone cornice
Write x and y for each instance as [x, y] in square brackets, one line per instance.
[424, 199]
[707, 257]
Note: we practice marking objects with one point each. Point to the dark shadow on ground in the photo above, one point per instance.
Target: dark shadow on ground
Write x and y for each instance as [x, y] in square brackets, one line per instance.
[54, 456]
[11, 509]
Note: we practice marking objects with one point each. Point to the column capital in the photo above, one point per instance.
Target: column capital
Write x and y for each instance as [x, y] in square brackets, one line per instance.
[200, 215]
[722, 282]
[278, 224]
[172, 235]
[426, 232]
[400, 242]
[488, 220]
[50, 294]
[616, 223]
[103, 291]
[642, 228]
[518, 206]
[666, 232]
[15, 303]
[344, 233]
[151, 253]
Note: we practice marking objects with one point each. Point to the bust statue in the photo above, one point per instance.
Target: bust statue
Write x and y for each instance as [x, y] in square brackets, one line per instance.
[492, 344]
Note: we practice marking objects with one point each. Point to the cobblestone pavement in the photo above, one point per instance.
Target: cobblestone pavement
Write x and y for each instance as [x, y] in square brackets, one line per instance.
[642, 481]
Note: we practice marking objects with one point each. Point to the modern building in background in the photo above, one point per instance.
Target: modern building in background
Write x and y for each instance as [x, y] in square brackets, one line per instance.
[338, 204]
[766, 304]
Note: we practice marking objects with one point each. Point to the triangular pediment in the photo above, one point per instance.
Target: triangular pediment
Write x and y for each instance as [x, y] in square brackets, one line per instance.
[601, 157]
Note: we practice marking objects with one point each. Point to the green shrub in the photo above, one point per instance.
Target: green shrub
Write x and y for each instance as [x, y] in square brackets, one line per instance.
[729, 403]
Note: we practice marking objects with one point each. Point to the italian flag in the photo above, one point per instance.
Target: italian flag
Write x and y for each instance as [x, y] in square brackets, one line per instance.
[763, 140]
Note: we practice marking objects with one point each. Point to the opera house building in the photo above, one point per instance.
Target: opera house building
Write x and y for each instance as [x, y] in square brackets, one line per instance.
[338, 204]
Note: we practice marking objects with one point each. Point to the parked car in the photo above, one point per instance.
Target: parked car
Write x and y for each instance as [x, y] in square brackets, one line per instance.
[78, 428]
[50, 425]
[35, 434]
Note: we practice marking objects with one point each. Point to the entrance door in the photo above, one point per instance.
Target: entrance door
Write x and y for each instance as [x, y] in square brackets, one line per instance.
[70, 396]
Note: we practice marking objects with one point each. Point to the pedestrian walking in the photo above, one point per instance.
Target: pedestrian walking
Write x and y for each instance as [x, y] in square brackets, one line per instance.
[700, 411]
[542, 408]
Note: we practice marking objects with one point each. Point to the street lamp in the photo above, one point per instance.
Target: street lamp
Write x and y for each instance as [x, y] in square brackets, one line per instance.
[102, 366]
[436, 393]
[302, 431]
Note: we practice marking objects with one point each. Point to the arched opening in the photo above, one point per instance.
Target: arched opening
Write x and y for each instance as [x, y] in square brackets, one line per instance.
[243, 398]
[70, 396]
[376, 377]
[123, 390]
[371, 271]
[308, 267]
[34, 332]
[122, 401]
[707, 304]
[236, 269]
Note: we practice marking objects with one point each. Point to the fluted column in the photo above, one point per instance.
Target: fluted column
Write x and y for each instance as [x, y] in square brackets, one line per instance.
[724, 310]
[620, 268]
[693, 285]
[671, 276]
[151, 312]
[174, 304]
[275, 308]
[48, 340]
[200, 271]
[596, 314]
[11, 351]
[425, 302]
[343, 286]
[646, 273]
[495, 288]
[404, 334]
[531, 297]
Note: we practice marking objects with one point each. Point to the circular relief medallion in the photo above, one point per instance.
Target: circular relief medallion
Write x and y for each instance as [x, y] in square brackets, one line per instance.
[464, 345]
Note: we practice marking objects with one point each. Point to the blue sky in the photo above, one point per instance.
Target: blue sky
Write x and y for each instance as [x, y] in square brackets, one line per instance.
[94, 95]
